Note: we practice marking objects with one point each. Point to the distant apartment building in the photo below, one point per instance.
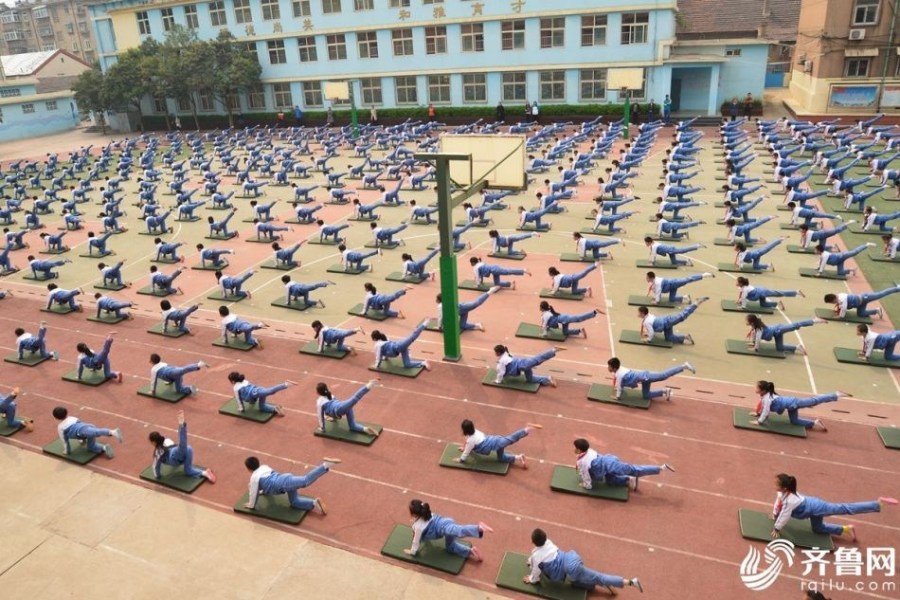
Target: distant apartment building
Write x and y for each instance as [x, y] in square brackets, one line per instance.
[847, 59]
[51, 25]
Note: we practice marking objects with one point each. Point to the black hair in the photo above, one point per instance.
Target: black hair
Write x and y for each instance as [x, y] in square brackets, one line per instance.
[787, 482]
[156, 438]
[342, 247]
[648, 240]
[553, 271]
[544, 306]
[153, 269]
[500, 349]
[97, 296]
[582, 445]
[538, 537]
[252, 463]
[322, 390]
[474, 260]
[578, 236]
[755, 322]
[739, 246]
[155, 358]
[766, 386]
[862, 329]
[643, 311]
[811, 595]
[830, 298]
[157, 241]
[285, 279]
[406, 256]
[223, 311]
[19, 331]
[468, 427]
[218, 275]
[370, 287]
[165, 304]
[742, 281]
[60, 413]
[52, 286]
[84, 349]
[420, 509]
[493, 233]
[614, 363]
[377, 336]
[276, 246]
[235, 377]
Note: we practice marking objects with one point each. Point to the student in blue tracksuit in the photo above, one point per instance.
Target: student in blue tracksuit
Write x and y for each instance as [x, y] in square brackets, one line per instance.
[624, 377]
[844, 302]
[111, 305]
[247, 393]
[382, 302]
[428, 526]
[165, 373]
[887, 342]
[236, 326]
[264, 481]
[176, 454]
[547, 560]
[330, 336]
[72, 428]
[513, 366]
[88, 359]
[791, 505]
[385, 349]
[608, 469]
[652, 324]
[484, 270]
[760, 332]
[770, 402]
[328, 407]
[552, 320]
[8, 409]
[484, 445]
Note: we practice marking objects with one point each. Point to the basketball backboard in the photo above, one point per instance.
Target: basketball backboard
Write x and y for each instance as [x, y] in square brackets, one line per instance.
[336, 90]
[498, 159]
[631, 79]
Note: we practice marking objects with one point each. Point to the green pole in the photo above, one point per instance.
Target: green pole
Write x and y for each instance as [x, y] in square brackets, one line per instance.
[627, 112]
[447, 261]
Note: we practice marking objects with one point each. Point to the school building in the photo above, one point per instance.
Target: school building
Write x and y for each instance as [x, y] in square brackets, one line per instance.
[409, 53]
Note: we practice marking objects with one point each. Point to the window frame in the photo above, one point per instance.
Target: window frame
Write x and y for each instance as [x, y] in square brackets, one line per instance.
[552, 32]
[218, 16]
[590, 28]
[866, 8]
[404, 44]
[407, 83]
[514, 85]
[277, 52]
[367, 40]
[859, 60]
[309, 93]
[371, 91]
[470, 81]
[301, 8]
[331, 7]
[472, 34]
[362, 5]
[440, 84]
[280, 89]
[191, 18]
[311, 51]
[435, 40]
[242, 12]
[271, 10]
[168, 18]
[143, 22]
[337, 42]
[511, 32]
[634, 25]
[593, 82]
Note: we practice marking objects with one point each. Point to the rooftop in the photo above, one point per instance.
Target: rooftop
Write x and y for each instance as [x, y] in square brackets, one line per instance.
[702, 19]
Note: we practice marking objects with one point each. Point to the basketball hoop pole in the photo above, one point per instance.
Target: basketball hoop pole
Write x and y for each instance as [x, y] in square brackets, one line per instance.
[354, 118]
[449, 291]
[627, 110]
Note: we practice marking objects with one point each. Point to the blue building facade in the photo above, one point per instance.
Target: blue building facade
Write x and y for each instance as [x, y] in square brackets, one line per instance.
[25, 114]
[407, 53]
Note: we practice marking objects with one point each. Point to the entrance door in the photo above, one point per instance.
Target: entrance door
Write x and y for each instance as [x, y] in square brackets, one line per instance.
[675, 94]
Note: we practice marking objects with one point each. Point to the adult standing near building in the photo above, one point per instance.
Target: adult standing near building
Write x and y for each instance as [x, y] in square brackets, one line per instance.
[667, 109]
[501, 112]
[432, 113]
[535, 112]
[373, 115]
[733, 109]
[298, 115]
[748, 105]
[329, 117]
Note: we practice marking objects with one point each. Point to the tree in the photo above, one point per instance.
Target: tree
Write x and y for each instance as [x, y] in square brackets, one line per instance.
[173, 78]
[91, 93]
[234, 69]
[131, 78]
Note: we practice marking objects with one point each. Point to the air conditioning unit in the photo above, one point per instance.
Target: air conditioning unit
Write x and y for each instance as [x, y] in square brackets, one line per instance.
[807, 66]
[857, 34]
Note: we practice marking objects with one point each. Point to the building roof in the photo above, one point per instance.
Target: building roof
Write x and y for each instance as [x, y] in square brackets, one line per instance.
[29, 63]
[723, 19]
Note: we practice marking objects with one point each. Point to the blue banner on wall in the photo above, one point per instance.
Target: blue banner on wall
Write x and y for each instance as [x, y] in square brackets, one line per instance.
[853, 96]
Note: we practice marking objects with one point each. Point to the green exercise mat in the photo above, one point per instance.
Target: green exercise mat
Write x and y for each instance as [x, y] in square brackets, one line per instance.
[884, 259]
[591, 231]
[326, 242]
[251, 412]
[104, 255]
[398, 276]
[566, 479]
[397, 369]
[727, 242]
[108, 318]
[7, 430]
[233, 344]
[774, 424]
[740, 347]
[298, 305]
[79, 452]
[274, 508]
[54, 252]
[573, 257]
[88, 377]
[30, 277]
[807, 272]
[219, 296]
[646, 301]
[363, 219]
[752, 308]
[469, 284]
[165, 261]
[375, 315]
[29, 359]
[312, 348]
[174, 477]
[211, 267]
[663, 238]
[726, 267]
[646, 264]
[632, 398]
[152, 291]
[796, 249]
[756, 525]
[861, 231]
[516, 255]
[164, 391]
[474, 462]
[431, 554]
[278, 266]
[851, 356]
[528, 330]
[475, 224]
[629, 336]
[851, 317]
[115, 287]
[383, 245]
[890, 437]
[172, 332]
[221, 237]
[339, 430]
[791, 227]
[517, 383]
[58, 309]
[513, 570]
[560, 295]
[530, 227]
[340, 269]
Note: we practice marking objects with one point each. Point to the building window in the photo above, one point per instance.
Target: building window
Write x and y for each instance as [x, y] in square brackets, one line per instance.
[432, 1]
[74, 46]
[367, 44]
[472, 37]
[512, 36]
[282, 93]
[553, 86]
[51, 105]
[168, 19]
[865, 12]
[233, 102]
[40, 13]
[634, 27]
[270, 10]
[639, 94]
[184, 104]
[242, 11]
[86, 45]
[83, 27]
[363, 4]
[474, 88]
[217, 15]
[190, 16]
[256, 97]
[312, 93]
[436, 40]
[593, 30]
[405, 88]
[593, 85]
[205, 101]
[143, 23]
[399, 3]
[857, 67]
[402, 40]
[371, 90]
[307, 46]
[45, 47]
[159, 105]
[513, 87]
[732, 52]
[251, 48]
[553, 32]
[337, 46]
[331, 6]
[439, 89]
[277, 55]
[28, 108]
[301, 8]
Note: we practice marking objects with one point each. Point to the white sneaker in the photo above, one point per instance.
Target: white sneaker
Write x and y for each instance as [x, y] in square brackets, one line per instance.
[690, 368]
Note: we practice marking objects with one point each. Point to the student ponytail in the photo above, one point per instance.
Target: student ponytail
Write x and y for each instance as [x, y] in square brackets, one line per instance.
[420, 509]
[369, 287]
[743, 282]
[235, 377]
[755, 322]
[83, 349]
[500, 349]
[322, 390]
[553, 271]
[156, 439]
[406, 256]
[768, 387]
[787, 482]
[545, 306]
[377, 336]
[317, 327]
